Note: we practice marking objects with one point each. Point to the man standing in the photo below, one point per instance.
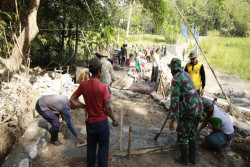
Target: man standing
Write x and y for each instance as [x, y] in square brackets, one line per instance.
[186, 107]
[222, 127]
[96, 97]
[136, 50]
[131, 52]
[124, 54]
[197, 72]
[50, 107]
[156, 64]
[107, 76]
[119, 56]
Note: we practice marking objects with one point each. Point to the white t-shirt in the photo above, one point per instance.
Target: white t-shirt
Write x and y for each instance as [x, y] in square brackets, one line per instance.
[157, 59]
[226, 124]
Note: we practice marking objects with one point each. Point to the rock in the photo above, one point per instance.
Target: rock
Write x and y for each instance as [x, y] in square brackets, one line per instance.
[9, 107]
[31, 150]
[24, 163]
[14, 120]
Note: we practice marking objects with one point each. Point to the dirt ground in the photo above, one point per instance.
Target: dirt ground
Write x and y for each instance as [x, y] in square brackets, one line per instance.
[236, 89]
[139, 110]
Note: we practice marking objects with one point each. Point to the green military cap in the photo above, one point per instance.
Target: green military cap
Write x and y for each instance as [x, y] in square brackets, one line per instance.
[175, 64]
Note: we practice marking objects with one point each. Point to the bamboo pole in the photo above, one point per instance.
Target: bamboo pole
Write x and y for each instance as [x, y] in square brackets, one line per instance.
[141, 151]
[18, 18]
[86, 43]
[89, 10]
[185, 22]
[28, 64]
[121, 137]
[6, 41]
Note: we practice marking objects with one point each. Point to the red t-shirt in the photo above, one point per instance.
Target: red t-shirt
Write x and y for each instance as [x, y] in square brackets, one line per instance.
[94, 93]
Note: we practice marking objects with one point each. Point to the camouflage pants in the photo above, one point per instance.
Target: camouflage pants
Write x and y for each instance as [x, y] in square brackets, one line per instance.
[186, 129]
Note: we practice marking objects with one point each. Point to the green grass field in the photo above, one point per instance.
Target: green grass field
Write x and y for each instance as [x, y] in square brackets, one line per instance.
[146, 39]
[230, 56]
[227, 55]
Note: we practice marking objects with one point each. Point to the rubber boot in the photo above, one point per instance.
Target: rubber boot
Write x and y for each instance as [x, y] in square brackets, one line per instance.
[183, 159]
[192, 152]
[54, 136]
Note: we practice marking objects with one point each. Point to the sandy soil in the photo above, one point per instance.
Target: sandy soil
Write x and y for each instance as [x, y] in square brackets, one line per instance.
[139, 110]
[236, 89]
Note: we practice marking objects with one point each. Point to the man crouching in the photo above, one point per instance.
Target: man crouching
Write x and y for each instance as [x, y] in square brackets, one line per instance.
[222, 127]
[50, 107]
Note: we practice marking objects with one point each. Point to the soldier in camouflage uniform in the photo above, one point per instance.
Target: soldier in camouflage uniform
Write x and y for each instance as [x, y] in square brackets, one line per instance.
[186, 108]
[107, 71]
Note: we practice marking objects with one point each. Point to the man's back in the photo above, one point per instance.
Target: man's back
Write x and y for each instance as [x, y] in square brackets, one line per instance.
[107, 72]
[222, 121]
[55, 103]
[184, 91]
[94, 93]
[124, 52]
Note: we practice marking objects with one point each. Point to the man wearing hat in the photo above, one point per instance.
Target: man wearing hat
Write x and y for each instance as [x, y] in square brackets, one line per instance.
[107, 76]
[186, 108]
[222, 127]
[197, 72]
[96, 97]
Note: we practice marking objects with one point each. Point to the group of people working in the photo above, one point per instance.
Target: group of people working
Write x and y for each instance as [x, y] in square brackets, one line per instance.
[141, 56]
[96, 93]
[187, 88]
[186, 107]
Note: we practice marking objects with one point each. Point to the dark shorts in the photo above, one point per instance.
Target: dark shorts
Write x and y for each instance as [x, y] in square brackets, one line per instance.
[123, 59]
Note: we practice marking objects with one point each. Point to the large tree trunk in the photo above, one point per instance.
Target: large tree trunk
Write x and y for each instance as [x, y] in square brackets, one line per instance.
[76, 46]
[28, 34]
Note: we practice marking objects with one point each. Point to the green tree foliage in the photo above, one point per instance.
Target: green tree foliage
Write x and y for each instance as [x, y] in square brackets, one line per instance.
[67, 26]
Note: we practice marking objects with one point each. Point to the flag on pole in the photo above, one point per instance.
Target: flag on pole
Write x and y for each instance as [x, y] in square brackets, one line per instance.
[184, 32]
[196, 36]
[193, 29]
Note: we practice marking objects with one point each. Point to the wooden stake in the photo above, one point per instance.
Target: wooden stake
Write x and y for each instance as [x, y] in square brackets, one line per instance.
[121, 137]
[129, 142]
[8, 49]
[142, 150]
[67, 69]
[233, 112]
[60, 68]
[55, 72]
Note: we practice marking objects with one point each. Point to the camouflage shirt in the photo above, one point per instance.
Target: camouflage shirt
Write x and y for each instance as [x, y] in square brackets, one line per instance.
[185, 101]
[107, 72]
